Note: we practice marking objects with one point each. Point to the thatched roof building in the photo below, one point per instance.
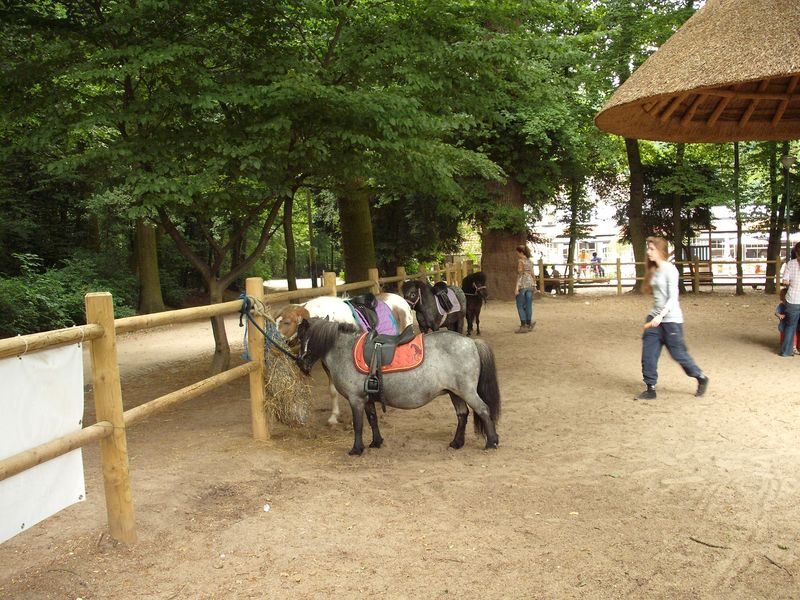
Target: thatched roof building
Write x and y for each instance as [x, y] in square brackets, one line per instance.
[732, 72]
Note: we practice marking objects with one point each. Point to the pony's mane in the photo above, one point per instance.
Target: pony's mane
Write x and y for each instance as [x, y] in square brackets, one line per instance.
[477, 277]
[322, 335]
[415, 283]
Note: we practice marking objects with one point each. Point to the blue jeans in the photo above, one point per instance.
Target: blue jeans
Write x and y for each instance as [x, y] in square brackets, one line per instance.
[671, 336]
[525, 305]
[789, 328]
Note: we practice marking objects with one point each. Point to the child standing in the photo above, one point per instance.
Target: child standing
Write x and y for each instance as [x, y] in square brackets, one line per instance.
[780, 312]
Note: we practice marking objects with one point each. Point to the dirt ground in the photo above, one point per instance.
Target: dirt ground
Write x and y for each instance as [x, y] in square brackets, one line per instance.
[590, 495]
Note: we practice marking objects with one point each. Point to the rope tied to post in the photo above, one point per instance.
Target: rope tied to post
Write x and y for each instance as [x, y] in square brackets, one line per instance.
[287, 395]
[272, 338]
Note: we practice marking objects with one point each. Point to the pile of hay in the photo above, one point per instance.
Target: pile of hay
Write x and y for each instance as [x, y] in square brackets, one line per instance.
[287, 393]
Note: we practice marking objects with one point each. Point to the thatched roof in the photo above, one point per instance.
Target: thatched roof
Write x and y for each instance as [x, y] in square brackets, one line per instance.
[732, 72]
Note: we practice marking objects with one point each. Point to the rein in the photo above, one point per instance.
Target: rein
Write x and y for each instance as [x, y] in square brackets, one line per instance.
[247, 307]
[478, 288]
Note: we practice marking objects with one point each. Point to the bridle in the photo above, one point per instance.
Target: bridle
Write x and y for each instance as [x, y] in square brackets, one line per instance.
[419, 297]
[477, 289]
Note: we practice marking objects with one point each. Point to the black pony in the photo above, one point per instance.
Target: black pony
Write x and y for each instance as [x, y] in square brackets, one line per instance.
[420, 296]
[474, 286]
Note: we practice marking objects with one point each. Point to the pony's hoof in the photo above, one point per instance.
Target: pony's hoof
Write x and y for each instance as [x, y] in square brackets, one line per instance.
[356, 452]
[456, 445]
[376, 443]
[492, 444]
[333, 421]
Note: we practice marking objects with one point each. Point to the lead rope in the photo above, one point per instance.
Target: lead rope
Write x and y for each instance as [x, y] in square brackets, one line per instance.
[248, 305]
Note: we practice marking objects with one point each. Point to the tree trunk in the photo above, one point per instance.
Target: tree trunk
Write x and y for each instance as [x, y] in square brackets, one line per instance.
[574, 197]
[498, 260]
[288, 236]
[635, 221]
[358, 247]
[238, 252]
[737, 205]
[150, 298]
[312, 251]
[784, 209]
[677, 222]
[222, 351]
[774, 240]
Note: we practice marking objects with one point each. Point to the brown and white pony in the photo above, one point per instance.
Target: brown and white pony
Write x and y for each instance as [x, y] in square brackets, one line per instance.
[336, 309]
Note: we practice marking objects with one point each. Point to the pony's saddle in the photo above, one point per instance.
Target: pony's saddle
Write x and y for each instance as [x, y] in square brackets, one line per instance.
[373, 314]
[376, 353]
[389, 352]
[442, 293]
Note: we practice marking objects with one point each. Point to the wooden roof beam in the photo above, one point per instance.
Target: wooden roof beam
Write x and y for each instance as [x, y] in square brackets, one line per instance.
[723, 102]
[725, 93]
[676, 102]
[654, 107]
[693, 108]
[785, 102]
[753, 104]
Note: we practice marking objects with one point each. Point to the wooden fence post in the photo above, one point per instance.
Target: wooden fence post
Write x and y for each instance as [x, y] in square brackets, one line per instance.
[254, 286]
[422, 273]
[619, 276]
[374, 276]
[108, 407]
[696, 281]
[329, 281]
[541, 275]
[470, 267]
[401, 272]
[778, 273]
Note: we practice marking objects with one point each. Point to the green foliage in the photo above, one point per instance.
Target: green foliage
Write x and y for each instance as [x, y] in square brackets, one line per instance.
[698, 182]
[38, 300]
[414, 226]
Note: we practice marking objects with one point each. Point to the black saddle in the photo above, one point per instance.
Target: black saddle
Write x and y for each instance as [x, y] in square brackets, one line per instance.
[367, 306]
[379, 349]
[440, 291]
[386, 343]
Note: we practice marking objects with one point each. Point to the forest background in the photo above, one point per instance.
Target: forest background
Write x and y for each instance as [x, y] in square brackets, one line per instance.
[164, 151]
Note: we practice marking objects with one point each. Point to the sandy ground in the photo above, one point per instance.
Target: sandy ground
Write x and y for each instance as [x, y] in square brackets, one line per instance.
[590, 495]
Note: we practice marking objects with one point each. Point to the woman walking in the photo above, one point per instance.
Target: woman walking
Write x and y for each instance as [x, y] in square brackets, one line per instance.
[524, 289]
[664, 324]
[791, 277]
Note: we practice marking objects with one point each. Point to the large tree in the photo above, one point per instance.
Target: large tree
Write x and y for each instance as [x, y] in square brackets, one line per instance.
[631, 31]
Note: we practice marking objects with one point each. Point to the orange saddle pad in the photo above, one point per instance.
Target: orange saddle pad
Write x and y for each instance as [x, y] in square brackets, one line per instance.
[406, 357]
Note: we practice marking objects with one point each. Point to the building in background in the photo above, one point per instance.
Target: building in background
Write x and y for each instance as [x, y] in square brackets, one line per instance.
[604, 237]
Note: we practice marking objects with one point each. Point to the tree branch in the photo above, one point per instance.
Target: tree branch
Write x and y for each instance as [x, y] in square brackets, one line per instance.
[326, 60]
[236, 238]
[258, 250]
[183, 246]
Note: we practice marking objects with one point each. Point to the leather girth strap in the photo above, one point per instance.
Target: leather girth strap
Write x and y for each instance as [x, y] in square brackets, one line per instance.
[379, 351]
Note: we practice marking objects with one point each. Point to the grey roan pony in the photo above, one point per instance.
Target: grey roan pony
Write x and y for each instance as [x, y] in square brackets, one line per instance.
[460, 366]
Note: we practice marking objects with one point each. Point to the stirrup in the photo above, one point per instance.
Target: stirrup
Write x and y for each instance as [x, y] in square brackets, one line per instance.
[372, 385]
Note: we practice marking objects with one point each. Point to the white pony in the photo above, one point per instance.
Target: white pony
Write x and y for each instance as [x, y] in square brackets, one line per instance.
[336, 309]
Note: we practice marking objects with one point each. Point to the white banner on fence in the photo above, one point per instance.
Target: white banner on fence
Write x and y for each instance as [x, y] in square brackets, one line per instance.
[41, 399]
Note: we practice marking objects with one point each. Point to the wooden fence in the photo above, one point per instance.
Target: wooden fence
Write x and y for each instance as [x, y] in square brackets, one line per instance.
[111, 418]
[696, 273]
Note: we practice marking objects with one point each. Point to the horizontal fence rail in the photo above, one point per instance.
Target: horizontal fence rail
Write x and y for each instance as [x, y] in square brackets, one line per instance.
[697, 273]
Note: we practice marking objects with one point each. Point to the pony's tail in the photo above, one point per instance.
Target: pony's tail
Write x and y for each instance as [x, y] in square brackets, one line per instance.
[488, 388]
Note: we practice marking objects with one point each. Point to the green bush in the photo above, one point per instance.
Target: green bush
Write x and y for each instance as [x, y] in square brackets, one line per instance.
[39, 300]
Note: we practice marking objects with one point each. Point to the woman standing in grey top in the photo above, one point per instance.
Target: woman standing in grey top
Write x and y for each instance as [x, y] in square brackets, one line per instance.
[664, 324]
